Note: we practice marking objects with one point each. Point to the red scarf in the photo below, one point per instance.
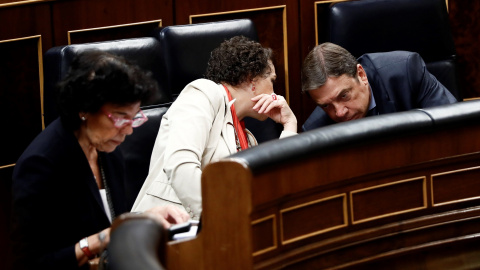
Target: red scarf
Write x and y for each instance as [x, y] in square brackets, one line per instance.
[238, 125]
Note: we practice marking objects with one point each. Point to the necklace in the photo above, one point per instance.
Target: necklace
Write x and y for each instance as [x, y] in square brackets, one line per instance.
[107, 189]
[237, 141]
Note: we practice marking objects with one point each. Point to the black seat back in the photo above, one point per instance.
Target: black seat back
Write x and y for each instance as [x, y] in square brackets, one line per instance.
[369, 26]
[144, 52]
[185, 53]
[186, 48]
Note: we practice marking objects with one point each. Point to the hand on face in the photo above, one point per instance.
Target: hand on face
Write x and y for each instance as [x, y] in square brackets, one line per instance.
[275, 107]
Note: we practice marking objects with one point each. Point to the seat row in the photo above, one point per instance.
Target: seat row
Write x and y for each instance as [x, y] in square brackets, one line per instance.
[175, 56]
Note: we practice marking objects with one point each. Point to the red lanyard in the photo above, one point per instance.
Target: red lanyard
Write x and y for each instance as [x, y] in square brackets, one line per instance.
[238, 125]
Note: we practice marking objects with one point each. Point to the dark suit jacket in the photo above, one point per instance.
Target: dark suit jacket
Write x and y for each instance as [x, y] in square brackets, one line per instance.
[399, 81]
[56, 201]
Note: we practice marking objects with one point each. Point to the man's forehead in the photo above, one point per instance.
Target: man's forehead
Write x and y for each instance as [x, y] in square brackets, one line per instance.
[332, 88]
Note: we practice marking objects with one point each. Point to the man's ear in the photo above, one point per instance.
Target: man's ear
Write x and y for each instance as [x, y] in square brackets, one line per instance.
[362, 74]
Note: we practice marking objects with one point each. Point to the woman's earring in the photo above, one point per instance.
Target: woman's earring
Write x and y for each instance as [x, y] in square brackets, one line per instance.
[83, 118]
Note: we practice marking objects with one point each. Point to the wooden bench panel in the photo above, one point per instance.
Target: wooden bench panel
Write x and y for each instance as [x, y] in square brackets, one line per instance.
[364, 203]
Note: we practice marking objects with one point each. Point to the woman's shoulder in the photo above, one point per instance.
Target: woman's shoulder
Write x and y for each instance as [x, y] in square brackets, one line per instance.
[204, 83]
[214, 92]
[51, 142]
[210, 88]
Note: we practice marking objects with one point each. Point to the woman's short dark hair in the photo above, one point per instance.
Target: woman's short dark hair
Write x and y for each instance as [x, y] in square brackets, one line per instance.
[238, 60]
[324, 61]
[96, 78]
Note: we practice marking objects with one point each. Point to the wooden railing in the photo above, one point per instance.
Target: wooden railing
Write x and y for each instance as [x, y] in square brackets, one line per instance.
[395, 191]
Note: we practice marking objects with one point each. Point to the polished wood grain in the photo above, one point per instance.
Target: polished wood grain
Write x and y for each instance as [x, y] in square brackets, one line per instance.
[11, 3]
[351, 208]
[465, 181]
[296, 224]
[114, 32]
[21, 96]
[466, 30]
[265, 230]
[24, 21]
[84, 14]
[233, 239]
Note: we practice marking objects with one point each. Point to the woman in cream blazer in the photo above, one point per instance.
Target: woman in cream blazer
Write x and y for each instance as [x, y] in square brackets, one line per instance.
[200, 126]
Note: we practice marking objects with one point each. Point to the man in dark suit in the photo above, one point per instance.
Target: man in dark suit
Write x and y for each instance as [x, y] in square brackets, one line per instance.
[378, 83]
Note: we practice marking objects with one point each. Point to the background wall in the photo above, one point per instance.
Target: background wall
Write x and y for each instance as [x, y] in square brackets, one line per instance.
[29, 28]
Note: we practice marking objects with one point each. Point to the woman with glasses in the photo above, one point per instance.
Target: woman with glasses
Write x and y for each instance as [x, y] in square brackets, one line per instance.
[205, 123]
[68, 185]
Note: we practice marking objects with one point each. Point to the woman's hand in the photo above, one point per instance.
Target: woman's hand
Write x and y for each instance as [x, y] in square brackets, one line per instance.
[276, 107]
[168, 215]
[165, 214]
[96, 244]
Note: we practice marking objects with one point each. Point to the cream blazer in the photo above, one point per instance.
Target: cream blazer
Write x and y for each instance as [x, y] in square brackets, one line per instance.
[196, 130]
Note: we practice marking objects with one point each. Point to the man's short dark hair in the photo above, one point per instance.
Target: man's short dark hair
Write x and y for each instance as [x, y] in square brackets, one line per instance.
[324, 61]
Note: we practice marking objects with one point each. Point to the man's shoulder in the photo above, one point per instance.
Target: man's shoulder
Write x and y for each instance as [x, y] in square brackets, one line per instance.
[383, 59]
[317, 119]
[387, 64]
[387, 55]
